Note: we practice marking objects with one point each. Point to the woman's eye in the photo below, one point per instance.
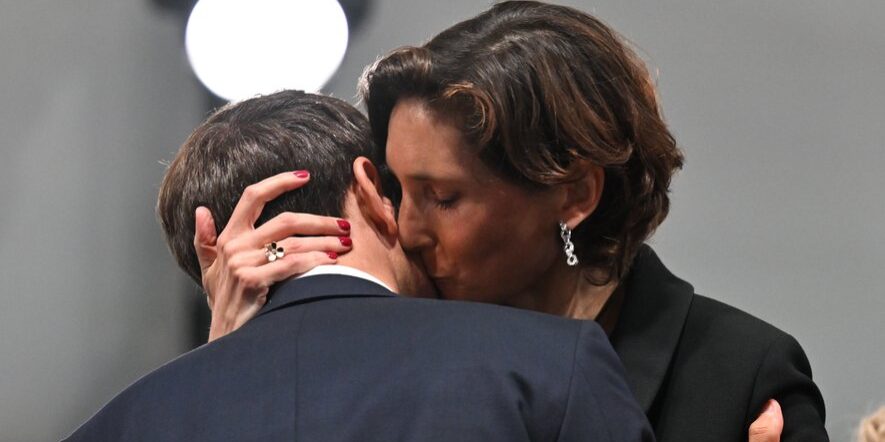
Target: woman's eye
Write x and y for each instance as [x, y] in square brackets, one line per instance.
[446, 202]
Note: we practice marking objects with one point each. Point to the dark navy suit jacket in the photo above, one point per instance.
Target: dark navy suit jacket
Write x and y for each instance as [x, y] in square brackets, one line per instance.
[339, 358]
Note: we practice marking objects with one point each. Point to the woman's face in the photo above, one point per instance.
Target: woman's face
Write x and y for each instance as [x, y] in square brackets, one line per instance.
[481, 238]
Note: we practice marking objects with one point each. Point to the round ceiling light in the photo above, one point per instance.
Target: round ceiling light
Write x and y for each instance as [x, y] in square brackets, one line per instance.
[239, 49]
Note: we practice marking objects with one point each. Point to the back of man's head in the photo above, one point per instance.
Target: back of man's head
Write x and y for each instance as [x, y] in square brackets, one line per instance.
[246, 142]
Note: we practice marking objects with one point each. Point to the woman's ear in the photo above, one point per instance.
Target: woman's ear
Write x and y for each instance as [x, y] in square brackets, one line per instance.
[377, 209]
[582, 196]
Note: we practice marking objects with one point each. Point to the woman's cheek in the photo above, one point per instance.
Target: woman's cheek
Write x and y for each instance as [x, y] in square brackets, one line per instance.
[479, 241]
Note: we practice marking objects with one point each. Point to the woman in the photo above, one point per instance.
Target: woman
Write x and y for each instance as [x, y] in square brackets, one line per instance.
[534, 163]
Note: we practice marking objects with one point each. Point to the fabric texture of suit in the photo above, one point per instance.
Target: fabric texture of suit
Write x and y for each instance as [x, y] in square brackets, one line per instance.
[339, 358]
[702, 370]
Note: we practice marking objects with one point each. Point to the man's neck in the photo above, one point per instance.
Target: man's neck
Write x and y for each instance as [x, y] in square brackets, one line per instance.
[378, 268]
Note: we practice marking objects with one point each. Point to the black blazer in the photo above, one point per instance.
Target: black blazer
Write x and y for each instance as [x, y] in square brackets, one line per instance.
[702, 370]
[338, 358]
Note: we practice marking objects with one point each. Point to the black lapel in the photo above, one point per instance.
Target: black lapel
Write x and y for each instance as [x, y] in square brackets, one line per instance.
[313, 288]
[655, 307]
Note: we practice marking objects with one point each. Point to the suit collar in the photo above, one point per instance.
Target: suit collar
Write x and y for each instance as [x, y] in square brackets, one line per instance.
[650, 324]
[341, 269]
[324, 286]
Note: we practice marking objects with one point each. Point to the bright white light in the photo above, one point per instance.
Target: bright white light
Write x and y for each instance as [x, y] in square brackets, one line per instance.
[241, 48]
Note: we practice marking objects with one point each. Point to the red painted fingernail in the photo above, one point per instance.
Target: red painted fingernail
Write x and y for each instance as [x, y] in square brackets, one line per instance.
[345, 241]
[344, 225]
[302, 173]
[332, 255]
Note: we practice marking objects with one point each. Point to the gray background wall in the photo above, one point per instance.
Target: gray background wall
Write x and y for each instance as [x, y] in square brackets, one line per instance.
[779, 107]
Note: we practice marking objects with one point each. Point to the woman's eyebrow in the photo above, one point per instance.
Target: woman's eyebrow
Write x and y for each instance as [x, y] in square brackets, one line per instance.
[426, 176]
[422, 174]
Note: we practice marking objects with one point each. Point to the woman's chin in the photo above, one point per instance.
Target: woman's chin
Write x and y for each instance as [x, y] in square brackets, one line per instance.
[453, 291]
[450, 290]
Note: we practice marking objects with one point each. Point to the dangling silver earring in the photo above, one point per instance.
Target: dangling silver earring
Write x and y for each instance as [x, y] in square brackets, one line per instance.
[569, 247]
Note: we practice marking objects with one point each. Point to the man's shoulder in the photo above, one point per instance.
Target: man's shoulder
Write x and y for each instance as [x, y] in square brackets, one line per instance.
[463, 323]
[442, 354]
[473, 324]
[163, 403]
[120, 416]
[447, 336]
[471, 311]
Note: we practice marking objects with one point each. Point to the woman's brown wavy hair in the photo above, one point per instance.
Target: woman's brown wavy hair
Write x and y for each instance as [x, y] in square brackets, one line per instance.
[539, 89]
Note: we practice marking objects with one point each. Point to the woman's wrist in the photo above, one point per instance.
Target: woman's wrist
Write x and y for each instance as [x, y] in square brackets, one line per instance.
[220, 326]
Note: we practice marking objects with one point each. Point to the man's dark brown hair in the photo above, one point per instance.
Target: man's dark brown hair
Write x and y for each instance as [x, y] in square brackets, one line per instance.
[537, 89]
[247, 142]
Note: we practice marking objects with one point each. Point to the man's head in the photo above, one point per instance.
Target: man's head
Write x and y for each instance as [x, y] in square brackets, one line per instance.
[247, 142]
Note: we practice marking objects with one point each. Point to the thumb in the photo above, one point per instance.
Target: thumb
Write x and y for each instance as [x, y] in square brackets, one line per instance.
[769, 425]
[205, 237]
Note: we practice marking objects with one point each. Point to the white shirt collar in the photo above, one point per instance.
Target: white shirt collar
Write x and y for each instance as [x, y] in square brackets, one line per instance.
[337, 269]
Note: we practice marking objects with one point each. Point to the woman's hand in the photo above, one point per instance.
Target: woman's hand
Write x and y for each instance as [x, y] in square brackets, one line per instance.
[237, 274]
[769, 425]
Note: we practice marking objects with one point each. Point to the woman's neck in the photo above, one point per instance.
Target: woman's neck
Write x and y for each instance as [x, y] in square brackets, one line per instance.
[566, 291]
[588, 300]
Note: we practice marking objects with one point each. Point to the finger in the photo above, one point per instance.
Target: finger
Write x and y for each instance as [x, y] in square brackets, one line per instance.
[769, 425]
[255, 257]
[337, 244]
[289, 224]
[254, 198]
[289, 266]
[205, 237]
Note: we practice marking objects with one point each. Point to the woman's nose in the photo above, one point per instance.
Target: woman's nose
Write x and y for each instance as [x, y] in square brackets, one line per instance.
[413, 232]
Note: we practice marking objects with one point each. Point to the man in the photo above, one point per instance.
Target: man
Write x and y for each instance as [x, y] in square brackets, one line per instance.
[335, 354]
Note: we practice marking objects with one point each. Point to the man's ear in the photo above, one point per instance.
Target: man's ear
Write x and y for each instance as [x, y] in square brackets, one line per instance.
[205, 237]
[377, 209]
[582, 196]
